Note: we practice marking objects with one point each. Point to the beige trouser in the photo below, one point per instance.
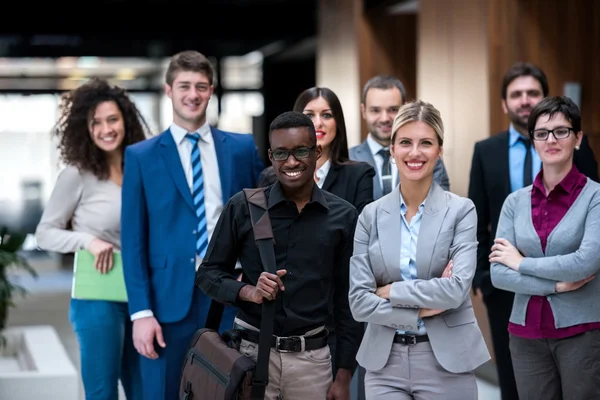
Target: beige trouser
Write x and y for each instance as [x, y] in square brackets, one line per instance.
[294, 376]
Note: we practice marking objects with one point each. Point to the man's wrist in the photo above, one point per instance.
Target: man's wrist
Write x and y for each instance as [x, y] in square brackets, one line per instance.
[142, 314]
[246, 293]
[343, 375]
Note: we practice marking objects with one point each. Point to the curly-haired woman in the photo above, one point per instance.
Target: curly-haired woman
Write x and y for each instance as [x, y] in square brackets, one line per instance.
[97, 121]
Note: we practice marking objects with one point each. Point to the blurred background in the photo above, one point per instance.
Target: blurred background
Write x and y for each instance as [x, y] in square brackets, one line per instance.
[452, 53]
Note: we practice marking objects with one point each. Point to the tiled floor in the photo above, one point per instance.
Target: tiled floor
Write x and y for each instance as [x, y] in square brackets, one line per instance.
[48, 302]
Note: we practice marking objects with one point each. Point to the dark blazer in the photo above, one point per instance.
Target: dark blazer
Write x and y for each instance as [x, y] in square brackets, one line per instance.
[489, 186]
[352, 182]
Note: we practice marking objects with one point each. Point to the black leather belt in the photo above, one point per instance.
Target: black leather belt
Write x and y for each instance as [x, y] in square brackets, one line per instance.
[290, 344]
[410, 339]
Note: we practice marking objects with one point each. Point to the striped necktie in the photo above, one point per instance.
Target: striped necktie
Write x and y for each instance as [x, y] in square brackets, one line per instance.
[198, 195]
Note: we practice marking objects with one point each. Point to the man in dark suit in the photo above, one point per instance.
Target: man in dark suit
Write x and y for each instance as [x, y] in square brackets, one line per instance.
[502, 164]
[382, 97]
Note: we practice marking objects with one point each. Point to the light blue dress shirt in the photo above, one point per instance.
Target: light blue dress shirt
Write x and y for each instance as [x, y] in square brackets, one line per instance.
[516, 159]
[409, 232]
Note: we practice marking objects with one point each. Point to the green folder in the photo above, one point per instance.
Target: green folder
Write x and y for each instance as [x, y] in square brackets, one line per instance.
[89, 284]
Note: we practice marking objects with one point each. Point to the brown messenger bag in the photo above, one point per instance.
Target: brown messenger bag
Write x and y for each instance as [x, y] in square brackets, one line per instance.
[214, 369]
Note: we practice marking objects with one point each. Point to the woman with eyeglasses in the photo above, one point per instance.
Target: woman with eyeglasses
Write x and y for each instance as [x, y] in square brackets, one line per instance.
[547, 251]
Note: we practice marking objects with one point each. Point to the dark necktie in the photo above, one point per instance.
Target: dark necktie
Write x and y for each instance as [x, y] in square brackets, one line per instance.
[528, 166]
[386, 170]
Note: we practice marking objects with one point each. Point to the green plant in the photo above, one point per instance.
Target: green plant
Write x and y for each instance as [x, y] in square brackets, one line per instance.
[10, 244]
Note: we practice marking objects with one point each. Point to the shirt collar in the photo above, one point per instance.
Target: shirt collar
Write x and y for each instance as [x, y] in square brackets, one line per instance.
[513, 135]
[276, 196]
[373, 145]
[403, 207]
[322, 172]
[179, 133]
[567, 185]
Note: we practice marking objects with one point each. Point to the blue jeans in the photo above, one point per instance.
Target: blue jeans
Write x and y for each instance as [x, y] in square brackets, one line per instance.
[103, 330]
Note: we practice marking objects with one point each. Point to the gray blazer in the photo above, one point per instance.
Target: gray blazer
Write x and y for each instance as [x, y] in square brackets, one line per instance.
[448, 231]
[362, 152]
[572, 254]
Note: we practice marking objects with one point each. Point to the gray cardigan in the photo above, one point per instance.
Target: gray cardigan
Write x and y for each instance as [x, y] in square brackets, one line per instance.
[572, 254]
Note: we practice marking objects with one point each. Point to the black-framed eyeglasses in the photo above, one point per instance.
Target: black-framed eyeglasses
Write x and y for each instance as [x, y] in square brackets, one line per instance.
[300, 153]
[558, 133]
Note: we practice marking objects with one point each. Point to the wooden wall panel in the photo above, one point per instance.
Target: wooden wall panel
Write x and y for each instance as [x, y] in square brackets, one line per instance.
[562, 38]
[388, 45]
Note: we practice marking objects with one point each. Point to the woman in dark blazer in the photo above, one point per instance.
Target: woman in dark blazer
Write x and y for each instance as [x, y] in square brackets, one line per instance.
[350, 180]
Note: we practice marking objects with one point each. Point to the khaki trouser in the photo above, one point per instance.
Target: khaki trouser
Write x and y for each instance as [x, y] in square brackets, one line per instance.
[294, 376]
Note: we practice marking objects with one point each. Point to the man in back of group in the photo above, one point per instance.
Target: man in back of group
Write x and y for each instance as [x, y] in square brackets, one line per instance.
[313, 238]
[382, 97]
[174, 188]
[501, 165]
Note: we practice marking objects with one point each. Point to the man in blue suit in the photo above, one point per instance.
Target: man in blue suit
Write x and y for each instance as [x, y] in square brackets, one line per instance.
[174, 188]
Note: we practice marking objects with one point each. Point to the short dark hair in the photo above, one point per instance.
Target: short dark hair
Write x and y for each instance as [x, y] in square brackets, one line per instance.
[524, 69]
[555, 105]
[189, 60]
[293, 119]
[383, 82]
[339, 146]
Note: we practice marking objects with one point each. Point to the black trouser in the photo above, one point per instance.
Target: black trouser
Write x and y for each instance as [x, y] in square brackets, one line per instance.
[499, 306]
[557, 369]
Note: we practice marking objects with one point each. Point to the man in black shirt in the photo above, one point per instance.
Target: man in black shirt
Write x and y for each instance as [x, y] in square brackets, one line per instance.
[313, 232]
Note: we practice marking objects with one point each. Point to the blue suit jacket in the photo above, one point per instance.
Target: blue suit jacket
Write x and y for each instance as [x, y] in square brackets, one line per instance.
[158, 218]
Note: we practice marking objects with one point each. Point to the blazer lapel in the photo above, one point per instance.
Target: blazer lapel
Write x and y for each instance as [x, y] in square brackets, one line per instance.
[433, 217]
[224, 161]
[364, 154]
[331, 177]
[170, 155]
[503, 162]
[388, 229]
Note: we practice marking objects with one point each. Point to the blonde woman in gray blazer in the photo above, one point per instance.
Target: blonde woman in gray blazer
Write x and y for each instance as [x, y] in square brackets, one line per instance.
[410, 276]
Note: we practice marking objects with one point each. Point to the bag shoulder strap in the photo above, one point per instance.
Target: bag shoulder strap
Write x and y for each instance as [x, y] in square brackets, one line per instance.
[263, 235]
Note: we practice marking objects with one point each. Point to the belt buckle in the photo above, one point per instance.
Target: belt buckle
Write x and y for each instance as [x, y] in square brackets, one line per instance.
[409, 339]
[282, 344]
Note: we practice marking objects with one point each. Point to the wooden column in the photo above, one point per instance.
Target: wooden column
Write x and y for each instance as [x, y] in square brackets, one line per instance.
[453, 75]
[563, 40]
[353, 46]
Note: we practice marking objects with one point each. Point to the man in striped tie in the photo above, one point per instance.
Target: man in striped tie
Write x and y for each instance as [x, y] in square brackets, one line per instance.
[174, 188]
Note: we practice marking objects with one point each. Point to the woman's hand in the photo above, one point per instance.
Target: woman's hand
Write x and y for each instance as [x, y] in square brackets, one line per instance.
[448, 270]
[384, 291]
[103, 253]
[503, 252]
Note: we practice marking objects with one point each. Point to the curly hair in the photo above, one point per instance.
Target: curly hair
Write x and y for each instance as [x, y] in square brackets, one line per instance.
[76, 145]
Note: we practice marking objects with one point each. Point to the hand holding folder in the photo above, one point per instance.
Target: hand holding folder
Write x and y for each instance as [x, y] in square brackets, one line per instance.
[90, 284]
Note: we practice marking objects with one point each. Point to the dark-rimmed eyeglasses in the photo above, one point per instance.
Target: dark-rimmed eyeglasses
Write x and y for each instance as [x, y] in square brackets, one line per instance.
[558, 133]
[300, 153]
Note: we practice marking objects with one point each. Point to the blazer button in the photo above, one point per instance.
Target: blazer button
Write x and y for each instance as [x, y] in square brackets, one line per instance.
[400, 326]
[194, 232]
[409, 328]
[192, 260]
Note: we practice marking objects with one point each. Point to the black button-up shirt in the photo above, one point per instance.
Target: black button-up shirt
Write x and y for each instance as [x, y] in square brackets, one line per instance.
[314, 246]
